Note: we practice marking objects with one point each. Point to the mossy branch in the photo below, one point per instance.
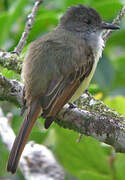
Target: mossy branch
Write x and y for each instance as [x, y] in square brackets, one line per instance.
[10, 61]
[89, 117]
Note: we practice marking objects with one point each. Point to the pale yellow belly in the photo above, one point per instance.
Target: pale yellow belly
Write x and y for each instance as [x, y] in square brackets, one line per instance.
[84, 85]
[97, 47]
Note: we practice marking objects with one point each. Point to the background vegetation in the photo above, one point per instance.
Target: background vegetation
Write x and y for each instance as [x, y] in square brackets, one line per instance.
[88, 160]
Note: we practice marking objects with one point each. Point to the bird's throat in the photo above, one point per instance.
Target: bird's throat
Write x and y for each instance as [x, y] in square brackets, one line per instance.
[97, 47]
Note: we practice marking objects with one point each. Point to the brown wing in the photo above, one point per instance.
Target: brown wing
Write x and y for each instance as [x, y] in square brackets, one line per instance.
[64, 90]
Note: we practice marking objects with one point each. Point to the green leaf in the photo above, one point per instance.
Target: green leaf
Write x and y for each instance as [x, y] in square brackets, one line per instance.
[119, 65]
[117, 103]
[116, 39]
[119, 167]
[10, 18]
[94, 176]
[76, 158]
[3, 21]
[43, 23]
[107, 9]
[9, 73]
[3, 158]
[73, 2]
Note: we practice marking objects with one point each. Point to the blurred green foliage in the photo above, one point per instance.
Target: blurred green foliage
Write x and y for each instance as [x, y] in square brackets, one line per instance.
[87, 160]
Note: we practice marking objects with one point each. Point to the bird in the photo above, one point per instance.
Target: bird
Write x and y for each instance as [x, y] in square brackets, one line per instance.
[58, 68]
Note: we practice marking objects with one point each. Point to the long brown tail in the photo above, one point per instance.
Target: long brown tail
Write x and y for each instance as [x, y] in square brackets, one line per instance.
[21, 139]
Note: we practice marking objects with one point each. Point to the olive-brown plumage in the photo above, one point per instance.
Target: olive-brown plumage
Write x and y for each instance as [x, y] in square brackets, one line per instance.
[58, 68]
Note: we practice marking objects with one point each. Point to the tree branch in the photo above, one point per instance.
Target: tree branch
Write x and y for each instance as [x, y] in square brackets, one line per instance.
[11, 90]
[90, 117]
[95, 119]
[10, 61]
[28, 27]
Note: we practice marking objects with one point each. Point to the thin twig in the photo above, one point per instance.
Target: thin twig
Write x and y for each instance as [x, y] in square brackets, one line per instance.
[11, 90]
[116, 21]
[28, 27]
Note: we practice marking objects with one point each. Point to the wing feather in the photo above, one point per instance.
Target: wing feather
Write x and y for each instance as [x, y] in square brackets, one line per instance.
[62, 93]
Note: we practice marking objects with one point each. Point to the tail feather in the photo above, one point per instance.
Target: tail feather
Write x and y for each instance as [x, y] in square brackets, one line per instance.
[24, 132]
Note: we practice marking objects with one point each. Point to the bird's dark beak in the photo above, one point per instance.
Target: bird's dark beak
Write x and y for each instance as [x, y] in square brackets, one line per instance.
[109, 26]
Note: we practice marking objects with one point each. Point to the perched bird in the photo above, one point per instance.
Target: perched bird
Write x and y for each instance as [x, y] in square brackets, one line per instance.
[58, 68]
